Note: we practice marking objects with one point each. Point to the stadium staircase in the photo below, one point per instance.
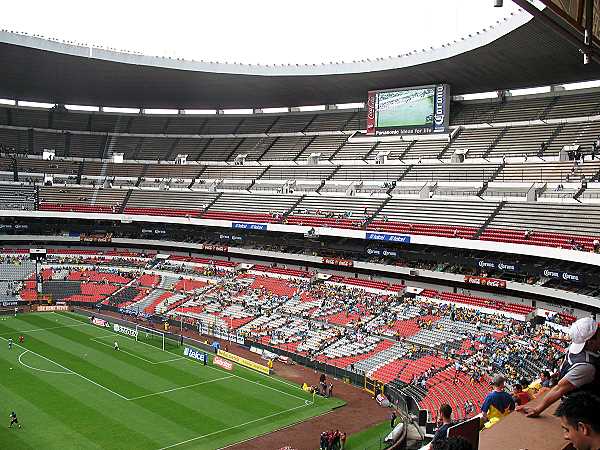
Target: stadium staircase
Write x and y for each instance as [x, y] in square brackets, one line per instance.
[266, 147]
[495, 142]
[490, 179]
[555, 133]
[234, 151]
[489, 219]
[305, 146]
[369, 153]
[580, 191]
[449, 144]
[407, 149]
[596, 177]
[142, 175]
[289, 211]
[548, 108]
[170, 154]
[378, 210]
[213, 202]
[68, 144]
[80, 172]
[125, 200]
[206, 145]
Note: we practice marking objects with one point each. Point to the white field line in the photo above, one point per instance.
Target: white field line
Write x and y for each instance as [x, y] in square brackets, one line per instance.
[63, 372]
[232, 427]
[98, 341]
[181, 387]
[219, 369]
[8, 333]
[71, 371]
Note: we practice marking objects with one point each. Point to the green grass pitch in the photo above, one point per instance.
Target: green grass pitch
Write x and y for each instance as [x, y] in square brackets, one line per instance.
[72, 390]
[415, 113]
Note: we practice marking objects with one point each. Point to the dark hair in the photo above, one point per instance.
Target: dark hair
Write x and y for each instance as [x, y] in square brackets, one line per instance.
[452, 443]
[518, 387]
[580, 407]
[546, 373]
[524, 383]
[446, 411]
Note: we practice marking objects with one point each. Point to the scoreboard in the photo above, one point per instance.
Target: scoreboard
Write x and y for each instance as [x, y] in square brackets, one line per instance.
[410, 110]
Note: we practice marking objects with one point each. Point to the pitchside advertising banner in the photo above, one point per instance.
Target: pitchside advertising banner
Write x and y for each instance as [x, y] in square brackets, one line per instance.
[410, 110]
[244, 362]
[381, 252]
[125, 330]
[249, 226]
[482, 281]
[388, 237]
[195, 354]
[571, 277]
[500, 265]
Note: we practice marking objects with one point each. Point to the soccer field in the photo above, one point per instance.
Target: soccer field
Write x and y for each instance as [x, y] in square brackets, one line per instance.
[72, 390]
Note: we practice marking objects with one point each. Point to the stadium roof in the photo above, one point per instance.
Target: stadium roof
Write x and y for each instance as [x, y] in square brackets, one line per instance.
[516, 53]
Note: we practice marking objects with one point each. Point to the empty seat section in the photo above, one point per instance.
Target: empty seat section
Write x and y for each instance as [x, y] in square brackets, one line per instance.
[477, 141]
[325, 145]
[87, 145]
[219, 172]
[426, 149]
[370, 172]
[221, 125]
[71, 120]
[298, 173]
[192, 147]
[30, 118]
[148, 124]
[578, 105]
[154, 148]
[446, 218]
[168, 203]
[219, 149]
[395, 148]
[260, 124]
[185, 124]
[451, 172]
[551, 172]
[250, 207]
[334, 121]
[81, 199]
[354, 150]
[339, 212]
[286, 148]
[291, 123]
[253, 148]
[518, 141]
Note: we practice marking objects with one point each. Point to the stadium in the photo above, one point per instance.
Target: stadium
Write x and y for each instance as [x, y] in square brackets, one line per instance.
[397, 252]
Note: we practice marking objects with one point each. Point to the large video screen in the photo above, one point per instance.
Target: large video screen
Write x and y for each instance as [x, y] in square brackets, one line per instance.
[411, 110]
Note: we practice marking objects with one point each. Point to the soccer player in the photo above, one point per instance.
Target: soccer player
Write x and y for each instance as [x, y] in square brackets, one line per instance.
[116, 346]
[21, 339]
[10, 343]
[13, 419]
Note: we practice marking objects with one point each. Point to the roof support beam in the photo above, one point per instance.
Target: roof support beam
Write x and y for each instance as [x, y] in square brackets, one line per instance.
[571, 37]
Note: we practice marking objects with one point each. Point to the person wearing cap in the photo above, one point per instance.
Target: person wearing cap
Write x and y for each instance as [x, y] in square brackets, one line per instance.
[580, 370]
[497, 403]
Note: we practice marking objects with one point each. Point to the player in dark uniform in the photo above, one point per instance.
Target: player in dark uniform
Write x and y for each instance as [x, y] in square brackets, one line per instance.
[13, 419]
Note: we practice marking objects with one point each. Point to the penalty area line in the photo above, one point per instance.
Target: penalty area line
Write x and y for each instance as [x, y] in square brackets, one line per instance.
[69, 370]
[231, 428]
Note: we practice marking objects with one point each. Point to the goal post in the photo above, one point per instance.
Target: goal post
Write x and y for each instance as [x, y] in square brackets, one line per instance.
[160, 339]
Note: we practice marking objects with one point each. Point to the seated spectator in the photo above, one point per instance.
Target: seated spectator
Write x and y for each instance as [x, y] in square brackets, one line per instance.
[579, 370]
[520, 397]
[545, 379]
[498, 403]
[580, 420]
[442, 431]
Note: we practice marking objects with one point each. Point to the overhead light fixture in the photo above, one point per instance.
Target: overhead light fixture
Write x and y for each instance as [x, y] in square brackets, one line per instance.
[498, 3]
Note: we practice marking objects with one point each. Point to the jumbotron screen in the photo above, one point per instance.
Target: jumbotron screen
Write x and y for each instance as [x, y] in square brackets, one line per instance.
[411, 110]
